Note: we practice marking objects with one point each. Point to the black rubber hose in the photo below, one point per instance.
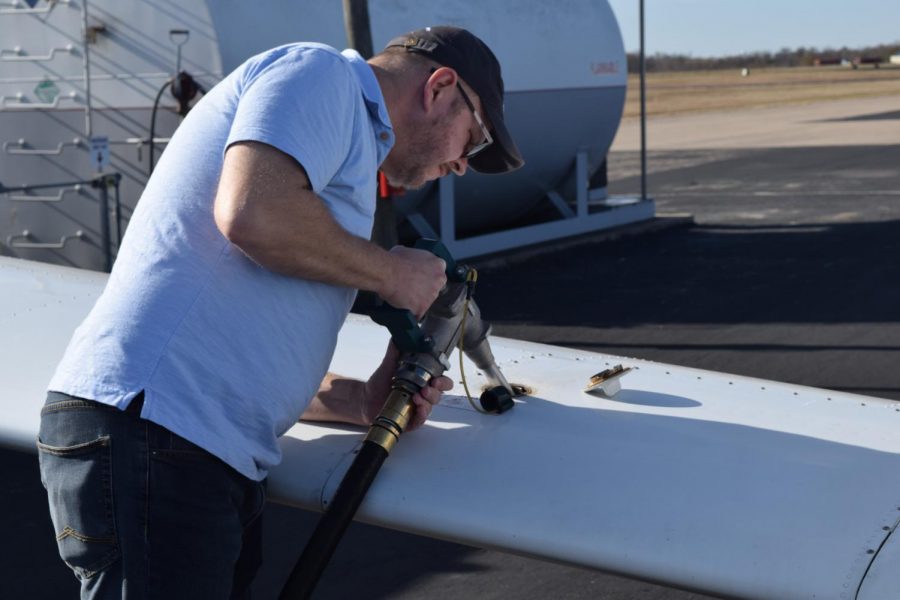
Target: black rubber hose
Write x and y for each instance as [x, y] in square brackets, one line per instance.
[306, 573]
[184, 88]
[153, 122]
[118, 210]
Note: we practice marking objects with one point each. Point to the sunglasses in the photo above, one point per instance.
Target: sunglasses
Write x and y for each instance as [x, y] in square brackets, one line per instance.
[488, 140]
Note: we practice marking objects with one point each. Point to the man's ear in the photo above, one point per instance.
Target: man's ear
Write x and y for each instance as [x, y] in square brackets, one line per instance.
[439, 87]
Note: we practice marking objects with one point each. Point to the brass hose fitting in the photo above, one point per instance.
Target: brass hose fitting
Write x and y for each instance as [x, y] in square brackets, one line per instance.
[392, 419]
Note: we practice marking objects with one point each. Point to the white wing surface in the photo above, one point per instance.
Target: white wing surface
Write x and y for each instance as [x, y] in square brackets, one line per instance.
[719, 483]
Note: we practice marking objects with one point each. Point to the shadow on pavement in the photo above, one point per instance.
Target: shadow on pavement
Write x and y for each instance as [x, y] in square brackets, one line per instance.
[843, 273]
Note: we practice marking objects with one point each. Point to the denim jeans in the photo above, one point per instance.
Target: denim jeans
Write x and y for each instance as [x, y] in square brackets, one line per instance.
[142, 513]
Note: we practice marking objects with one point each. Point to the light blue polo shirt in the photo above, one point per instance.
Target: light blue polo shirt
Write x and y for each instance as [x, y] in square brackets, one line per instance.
[227, 353]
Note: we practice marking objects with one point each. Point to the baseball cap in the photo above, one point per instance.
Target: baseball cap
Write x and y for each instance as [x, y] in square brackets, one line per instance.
[476, 64]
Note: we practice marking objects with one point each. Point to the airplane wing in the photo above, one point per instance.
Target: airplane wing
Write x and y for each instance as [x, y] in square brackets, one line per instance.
[723, 484]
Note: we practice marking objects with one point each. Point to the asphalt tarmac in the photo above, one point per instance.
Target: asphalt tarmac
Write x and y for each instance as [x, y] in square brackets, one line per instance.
[787, 270]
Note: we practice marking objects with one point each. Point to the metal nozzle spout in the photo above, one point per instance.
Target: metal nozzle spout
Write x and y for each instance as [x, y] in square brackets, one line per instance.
[495, 378]
[478, 349]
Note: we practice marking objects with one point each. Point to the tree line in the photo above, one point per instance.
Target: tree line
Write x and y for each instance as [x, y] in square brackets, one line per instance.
[786, 57]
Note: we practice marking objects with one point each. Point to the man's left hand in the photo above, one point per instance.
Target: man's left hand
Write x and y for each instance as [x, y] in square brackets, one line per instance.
[379, 385]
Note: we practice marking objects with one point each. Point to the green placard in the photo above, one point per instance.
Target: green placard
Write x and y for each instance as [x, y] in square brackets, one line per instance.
[46, 91]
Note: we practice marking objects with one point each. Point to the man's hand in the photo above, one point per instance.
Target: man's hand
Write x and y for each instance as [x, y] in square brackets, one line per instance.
[417, 278]
[345, 400]
[379, 385]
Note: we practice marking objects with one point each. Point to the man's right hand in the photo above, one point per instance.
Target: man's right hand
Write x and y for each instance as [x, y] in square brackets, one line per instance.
[417, 278]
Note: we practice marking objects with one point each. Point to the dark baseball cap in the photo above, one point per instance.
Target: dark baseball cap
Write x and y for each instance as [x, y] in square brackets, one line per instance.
[477, 66]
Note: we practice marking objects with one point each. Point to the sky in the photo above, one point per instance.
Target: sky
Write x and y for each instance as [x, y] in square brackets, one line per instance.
[703, 28]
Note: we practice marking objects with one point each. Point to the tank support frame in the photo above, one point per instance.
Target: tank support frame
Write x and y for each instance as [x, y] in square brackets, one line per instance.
[593, 211]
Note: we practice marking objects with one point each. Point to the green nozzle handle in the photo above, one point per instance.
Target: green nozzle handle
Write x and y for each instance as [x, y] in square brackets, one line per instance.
[405, 330]
[436, 247]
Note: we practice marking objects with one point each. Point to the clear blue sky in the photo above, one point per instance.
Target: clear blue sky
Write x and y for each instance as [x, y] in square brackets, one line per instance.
[721, 27]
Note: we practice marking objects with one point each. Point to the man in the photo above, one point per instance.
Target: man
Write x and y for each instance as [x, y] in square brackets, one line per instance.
[221, 315]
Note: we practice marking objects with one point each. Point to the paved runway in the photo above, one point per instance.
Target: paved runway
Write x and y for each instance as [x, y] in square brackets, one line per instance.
[790, 272]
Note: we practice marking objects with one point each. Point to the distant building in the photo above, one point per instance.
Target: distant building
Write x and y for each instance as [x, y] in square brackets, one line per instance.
[875, 61]
[895, 59]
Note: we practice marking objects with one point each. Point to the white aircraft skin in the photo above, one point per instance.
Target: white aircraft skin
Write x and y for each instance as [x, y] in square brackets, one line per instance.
[723, 484]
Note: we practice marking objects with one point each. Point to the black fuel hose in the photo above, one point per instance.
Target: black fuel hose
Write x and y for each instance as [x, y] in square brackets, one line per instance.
[184, 89]
[334, 522]
[153, 122]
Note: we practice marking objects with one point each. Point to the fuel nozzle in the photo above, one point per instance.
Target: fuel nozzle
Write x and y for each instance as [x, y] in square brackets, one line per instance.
[184, 88]
[452, 321]
[498, 398]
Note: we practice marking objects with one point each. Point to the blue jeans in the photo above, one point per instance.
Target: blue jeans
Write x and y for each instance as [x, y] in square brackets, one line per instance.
[142, 513]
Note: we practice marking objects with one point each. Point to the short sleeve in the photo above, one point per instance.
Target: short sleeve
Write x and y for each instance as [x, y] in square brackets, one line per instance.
[301, 101]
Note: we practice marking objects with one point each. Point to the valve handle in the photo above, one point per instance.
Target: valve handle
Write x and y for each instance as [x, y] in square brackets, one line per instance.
[405, 330]
[455, 272]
